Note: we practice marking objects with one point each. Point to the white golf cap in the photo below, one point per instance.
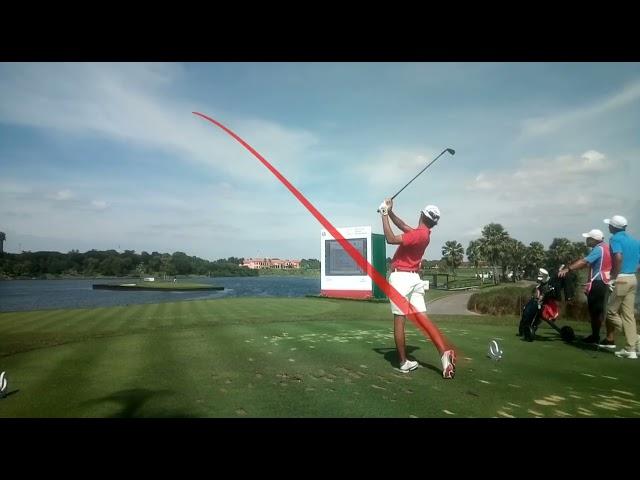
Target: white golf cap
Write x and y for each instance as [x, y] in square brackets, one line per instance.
[595, 234]
[617, 221]
[432, 212]
[543, 275]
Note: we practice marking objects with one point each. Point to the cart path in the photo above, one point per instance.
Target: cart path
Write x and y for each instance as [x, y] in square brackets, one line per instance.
[455, 304]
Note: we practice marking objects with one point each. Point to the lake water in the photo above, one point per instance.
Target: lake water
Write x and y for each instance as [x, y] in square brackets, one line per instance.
[23, 295]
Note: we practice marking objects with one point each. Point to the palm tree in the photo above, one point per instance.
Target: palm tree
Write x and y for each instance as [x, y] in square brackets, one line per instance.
[561, 251]
[492, 245]
[534, 258]
[166, 265]
[514, 257]
[140, 270]
[580, 250]
[3, 237]
[474, 255]
[453, 253]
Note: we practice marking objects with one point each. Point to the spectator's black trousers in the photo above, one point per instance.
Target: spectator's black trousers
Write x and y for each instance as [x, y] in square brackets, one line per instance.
[597, 302]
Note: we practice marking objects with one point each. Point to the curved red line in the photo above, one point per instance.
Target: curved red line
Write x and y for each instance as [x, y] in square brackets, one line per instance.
[420, 319]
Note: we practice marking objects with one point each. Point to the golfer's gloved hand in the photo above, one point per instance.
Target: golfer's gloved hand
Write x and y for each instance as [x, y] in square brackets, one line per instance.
[383, 208]
[612, 285]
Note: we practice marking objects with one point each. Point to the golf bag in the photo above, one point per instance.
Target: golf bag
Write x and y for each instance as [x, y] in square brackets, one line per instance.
[544, 307]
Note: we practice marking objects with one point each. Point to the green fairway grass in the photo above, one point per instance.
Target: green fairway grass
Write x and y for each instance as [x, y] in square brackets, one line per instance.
[294, 357]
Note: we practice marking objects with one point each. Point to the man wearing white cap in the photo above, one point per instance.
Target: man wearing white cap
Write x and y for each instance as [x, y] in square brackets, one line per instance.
[625, 256]
[599, 263]
[405, 278]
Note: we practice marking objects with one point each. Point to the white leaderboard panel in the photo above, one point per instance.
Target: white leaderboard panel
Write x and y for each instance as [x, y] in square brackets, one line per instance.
[340, 276]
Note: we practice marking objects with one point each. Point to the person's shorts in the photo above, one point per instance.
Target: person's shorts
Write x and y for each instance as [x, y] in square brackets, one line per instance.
[410, 286]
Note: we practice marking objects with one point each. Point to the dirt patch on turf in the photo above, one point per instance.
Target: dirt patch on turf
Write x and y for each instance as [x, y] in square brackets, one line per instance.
[286, 379]
[596, 402]
[345, 337]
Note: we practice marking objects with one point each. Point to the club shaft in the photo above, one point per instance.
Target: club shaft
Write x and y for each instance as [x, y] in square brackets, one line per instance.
[419, 173]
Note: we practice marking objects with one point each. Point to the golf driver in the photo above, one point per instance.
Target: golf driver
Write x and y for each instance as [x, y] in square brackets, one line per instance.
[450, 150]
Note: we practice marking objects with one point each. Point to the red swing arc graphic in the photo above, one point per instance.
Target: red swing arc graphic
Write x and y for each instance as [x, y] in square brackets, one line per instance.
[420, 319]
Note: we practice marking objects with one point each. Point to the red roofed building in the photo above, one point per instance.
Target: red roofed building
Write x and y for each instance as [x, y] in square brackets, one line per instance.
[258, 263]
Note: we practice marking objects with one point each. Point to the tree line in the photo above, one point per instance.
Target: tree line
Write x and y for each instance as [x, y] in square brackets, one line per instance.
[112, 263]
[116, 264]
[496, 249]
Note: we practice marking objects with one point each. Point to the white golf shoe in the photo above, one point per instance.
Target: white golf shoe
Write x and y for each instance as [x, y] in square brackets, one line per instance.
[448, 364]
[408, 366]
[624, 353]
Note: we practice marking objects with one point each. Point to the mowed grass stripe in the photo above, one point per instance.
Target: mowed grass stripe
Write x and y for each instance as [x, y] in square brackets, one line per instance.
[172, 316]
[149, 316]
[129, 320]
[25, 373]
[162, 387]
[51, 330]
[16, 322]
[66, 384]
[125, 365]
[201, 311]
[24, 322]
[93, 323]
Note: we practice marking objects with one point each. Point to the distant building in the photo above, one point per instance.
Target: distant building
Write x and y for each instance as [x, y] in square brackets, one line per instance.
[258, 263]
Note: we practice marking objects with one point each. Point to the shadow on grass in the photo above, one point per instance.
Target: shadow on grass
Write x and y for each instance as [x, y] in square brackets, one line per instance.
[577, 343]
[391, 356]
[5, 395]
[132, 402]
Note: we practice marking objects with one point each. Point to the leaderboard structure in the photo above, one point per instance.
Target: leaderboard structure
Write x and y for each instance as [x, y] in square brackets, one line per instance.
[340, 276]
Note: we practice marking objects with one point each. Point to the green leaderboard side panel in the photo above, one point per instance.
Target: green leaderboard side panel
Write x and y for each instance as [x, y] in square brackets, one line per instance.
[379, 260]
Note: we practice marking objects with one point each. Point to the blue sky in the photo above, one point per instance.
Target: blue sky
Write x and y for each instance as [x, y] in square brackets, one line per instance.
[109, 155]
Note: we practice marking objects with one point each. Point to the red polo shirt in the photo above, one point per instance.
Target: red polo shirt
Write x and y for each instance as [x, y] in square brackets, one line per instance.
[409, 253]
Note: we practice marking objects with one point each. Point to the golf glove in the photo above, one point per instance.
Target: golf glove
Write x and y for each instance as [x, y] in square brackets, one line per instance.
[383, 208]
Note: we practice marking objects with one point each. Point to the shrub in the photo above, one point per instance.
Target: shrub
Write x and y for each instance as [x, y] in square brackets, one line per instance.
[510, 300]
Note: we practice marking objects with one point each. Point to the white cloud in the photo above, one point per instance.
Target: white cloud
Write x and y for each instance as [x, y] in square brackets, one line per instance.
[132, 103]
[62, 195]
[552, 173]
[475, 232]
[544, 198]
[532, 127]
[99, 204]
[394, 167]
[481, 182]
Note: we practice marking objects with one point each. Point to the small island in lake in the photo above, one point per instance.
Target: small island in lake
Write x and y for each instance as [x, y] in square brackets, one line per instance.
[152, 284]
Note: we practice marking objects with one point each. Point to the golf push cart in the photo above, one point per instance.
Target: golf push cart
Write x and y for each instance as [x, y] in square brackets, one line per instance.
[543, 307]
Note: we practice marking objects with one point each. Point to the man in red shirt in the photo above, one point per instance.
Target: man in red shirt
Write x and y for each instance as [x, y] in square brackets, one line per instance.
[404, 277]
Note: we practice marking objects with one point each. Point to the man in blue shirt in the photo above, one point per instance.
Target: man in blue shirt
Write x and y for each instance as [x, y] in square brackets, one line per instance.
[625, 257]
[599, 263]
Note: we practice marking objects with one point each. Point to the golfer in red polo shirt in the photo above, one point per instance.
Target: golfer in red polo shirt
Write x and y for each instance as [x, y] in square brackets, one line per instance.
[405, 278]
